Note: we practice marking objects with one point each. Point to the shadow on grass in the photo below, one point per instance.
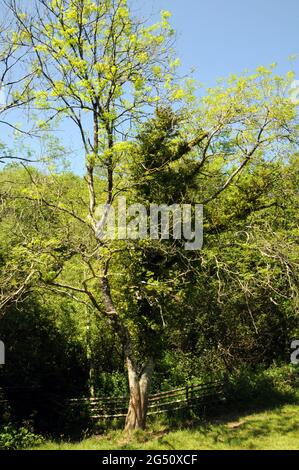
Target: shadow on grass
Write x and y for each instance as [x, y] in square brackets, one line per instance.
[243, 394]
[251, 432]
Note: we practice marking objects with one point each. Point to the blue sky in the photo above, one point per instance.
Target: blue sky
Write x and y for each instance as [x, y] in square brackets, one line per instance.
[220, 37]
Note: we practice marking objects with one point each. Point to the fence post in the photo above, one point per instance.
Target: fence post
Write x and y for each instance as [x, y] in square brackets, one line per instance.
[191, 400]
[2, 353]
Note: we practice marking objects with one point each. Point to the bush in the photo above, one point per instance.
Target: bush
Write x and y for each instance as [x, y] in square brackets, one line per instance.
[266, 387]
[16, 438]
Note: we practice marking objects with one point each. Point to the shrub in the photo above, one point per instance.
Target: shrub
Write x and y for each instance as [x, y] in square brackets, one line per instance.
[270, 386]
[16, 438]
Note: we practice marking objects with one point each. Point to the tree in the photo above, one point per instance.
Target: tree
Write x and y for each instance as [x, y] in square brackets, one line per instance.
[104, 70]
[17, 271]
[250, 272]
[15, 82]
[102, 63]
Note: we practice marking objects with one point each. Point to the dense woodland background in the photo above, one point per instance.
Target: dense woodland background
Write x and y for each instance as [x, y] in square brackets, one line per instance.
[77, 313]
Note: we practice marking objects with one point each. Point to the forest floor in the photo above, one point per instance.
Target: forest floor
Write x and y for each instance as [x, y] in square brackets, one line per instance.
[272, 429]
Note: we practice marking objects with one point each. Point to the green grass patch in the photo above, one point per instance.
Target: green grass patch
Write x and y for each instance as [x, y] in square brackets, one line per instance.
[275, 429]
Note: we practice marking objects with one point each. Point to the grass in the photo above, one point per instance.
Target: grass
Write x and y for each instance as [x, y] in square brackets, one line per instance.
[273, 429]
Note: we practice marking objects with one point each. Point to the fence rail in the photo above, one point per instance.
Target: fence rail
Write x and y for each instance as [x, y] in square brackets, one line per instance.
[112, 407]
[102, 408]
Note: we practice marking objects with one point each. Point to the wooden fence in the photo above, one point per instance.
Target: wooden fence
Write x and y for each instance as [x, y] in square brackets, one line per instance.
[188, 397]
[192, 397]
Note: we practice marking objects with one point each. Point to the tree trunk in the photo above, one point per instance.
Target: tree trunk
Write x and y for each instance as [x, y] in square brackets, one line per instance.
[139, 388]
[139, 382]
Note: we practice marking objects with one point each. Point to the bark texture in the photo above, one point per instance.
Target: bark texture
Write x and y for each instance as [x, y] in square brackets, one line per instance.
[139, 381]
[139, 389]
